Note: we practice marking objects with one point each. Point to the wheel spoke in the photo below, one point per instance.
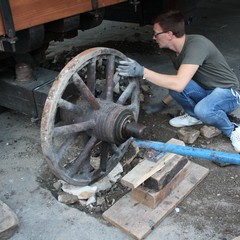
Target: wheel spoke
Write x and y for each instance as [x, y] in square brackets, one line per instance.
[65, 146]
[83, 160]
[115, 149]
[135, 106]
[91, 75]
[85, 91]
[73, 128]
[105, 148]
[127, 93]
[109, 78]
[69, 106]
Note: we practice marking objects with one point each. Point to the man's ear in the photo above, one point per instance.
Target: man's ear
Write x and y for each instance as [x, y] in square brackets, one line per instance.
[170, 34]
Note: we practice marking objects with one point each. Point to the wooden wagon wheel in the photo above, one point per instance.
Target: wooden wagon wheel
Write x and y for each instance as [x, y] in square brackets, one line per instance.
[89, 114]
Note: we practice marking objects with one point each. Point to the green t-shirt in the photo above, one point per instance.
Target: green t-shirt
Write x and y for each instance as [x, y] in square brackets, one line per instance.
[213, 69]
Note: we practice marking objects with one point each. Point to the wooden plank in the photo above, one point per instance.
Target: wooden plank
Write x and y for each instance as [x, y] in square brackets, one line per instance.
[28, 13]
[146, 169]
[8, 221]
[138, 220]
[152, 198]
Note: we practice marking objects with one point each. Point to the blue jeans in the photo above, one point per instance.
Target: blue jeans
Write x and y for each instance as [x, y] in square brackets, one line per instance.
[209, 106]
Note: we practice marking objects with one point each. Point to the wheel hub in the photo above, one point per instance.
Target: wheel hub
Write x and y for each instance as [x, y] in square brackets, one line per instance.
[111, 123]
[114, 123]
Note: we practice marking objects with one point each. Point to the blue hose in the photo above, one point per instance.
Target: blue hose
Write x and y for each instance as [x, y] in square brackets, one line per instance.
[190, 151]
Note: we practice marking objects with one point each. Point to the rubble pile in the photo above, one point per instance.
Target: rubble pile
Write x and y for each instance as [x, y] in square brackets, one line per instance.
[97, 197]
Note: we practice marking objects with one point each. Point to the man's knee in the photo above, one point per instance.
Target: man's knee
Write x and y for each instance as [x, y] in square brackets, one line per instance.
[202, 112]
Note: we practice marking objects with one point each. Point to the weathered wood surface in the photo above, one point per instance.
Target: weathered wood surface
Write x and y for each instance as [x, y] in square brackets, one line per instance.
[28, 13]
[161, 178]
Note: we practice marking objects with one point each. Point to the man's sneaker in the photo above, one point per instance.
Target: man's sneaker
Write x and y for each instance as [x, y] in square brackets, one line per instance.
[235, 138]
[184, 121]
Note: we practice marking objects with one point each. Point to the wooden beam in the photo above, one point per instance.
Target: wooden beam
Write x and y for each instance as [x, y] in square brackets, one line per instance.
[161, 178]
[152, 198]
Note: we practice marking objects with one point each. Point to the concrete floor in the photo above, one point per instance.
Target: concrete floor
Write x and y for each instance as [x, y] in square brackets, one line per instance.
[42, 217]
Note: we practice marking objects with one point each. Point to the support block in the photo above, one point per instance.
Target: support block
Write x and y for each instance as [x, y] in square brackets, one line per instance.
[163, 177]
[152, 198]
[148, 167]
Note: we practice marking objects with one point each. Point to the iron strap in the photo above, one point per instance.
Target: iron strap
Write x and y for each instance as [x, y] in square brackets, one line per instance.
[94, 4]
[7, 18]
[7, 42]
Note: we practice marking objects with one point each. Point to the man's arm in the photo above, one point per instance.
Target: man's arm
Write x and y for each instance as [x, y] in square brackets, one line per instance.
[174, 82]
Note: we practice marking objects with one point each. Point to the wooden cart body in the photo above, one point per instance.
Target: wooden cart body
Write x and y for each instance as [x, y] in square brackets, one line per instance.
[28, 13]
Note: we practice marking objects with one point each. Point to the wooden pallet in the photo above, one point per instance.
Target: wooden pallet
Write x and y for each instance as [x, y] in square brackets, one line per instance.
[138, 220]
[141, 210]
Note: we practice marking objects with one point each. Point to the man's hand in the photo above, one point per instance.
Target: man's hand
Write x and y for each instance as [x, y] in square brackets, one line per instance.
[130, 68]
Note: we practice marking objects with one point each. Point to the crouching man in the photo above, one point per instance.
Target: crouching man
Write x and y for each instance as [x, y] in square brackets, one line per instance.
[204, 85]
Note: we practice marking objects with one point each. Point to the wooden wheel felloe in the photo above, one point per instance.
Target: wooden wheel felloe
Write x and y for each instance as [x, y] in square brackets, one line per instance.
[89, 115]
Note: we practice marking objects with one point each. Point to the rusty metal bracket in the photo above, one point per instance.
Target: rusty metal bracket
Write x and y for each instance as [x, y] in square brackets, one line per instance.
[8, 25]
[135, 3]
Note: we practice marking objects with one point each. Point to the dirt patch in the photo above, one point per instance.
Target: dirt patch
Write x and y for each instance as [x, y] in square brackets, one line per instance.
[104, 198]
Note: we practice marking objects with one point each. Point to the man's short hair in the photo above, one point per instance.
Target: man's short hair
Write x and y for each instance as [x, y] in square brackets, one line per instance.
[171, 21]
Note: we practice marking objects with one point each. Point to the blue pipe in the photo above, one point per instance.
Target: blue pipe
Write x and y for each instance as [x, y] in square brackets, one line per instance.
[190, 151]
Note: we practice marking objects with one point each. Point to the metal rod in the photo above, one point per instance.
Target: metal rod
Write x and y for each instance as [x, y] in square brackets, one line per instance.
[190, 151]
[7, 18]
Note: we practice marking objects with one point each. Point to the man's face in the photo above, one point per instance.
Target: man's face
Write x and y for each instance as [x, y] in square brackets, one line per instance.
[160, 37]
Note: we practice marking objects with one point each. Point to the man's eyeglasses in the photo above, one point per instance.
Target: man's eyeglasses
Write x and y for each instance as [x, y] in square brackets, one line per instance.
[156, 34]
